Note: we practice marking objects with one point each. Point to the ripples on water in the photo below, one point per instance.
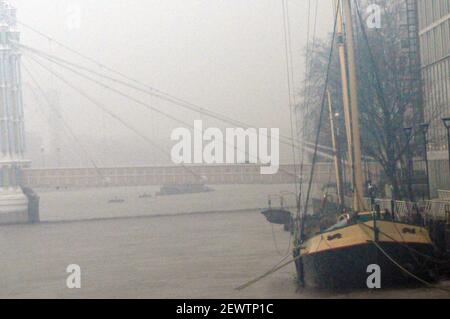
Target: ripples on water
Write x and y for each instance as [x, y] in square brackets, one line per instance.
[169, 255]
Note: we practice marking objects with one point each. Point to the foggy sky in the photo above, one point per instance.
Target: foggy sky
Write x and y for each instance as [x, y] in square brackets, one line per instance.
[227, 56]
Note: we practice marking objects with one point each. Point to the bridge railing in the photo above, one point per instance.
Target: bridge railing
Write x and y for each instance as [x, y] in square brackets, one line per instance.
[208, 174]
[135, 176]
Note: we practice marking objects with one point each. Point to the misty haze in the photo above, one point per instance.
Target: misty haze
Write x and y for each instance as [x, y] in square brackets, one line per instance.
[224, 149]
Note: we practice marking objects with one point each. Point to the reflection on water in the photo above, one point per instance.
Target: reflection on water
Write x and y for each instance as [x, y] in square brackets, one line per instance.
[182, 256]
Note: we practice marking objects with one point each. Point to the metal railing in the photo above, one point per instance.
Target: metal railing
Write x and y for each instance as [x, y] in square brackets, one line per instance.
[444, 195]
[436, 209]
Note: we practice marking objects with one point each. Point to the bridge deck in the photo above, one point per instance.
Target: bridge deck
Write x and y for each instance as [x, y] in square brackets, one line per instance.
[138, 176]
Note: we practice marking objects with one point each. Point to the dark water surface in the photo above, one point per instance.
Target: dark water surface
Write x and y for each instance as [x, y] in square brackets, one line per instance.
[182, 256]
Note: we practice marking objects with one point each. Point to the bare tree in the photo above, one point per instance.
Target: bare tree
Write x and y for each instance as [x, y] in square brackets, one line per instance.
[388, 98]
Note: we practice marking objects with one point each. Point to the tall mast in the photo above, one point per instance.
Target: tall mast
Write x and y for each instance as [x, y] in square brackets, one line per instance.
[337, 158]
[358, 202]
[344, 81]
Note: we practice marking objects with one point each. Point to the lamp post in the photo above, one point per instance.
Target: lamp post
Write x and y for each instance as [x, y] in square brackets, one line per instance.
[425, 127]
[446, 121]
[408, 132]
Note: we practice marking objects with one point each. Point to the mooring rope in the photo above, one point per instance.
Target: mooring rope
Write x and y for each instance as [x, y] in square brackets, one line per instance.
[268, 273]
[275, 268]
[426, 283]
[430, 285]
[279, 267]
[433, 259]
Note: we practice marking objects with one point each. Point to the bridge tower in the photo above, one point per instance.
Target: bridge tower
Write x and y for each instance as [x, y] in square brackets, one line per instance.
[13, 202]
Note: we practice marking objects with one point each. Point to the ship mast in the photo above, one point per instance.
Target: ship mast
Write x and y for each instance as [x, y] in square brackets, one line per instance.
[351, 104]
[337, 158]
[344, 81]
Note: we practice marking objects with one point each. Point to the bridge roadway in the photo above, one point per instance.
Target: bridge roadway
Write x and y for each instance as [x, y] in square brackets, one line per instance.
[164, 175]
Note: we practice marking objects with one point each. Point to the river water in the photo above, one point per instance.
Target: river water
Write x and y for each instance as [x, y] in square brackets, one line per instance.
[186, 246]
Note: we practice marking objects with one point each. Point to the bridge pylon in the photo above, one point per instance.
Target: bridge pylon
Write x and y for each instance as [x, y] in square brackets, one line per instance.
[13, 202]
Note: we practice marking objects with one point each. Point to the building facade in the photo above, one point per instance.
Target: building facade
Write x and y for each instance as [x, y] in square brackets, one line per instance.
[434, 35]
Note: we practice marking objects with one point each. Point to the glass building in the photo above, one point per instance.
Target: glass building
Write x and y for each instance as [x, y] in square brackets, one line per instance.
[434, 36]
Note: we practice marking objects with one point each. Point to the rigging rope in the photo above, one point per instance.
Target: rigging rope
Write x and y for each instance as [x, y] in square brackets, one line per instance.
[292, 104]
[275, 269]
[307, 95]
[314, 161]
[289, 73]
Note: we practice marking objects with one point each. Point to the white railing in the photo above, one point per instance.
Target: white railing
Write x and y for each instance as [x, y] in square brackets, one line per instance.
[437, 209]
[444, 195]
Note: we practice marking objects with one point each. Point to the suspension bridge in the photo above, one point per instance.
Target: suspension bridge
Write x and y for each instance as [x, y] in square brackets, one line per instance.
[165, 175]
[16, 172]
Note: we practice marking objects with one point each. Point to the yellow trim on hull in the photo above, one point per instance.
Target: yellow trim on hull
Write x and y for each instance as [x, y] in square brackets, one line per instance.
[359, 234]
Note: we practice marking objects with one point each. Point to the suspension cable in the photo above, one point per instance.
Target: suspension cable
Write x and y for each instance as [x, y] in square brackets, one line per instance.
[223, 118]
[139, 102]
[55, 111]
[114, 116]
[47, 119]
[120, 120]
